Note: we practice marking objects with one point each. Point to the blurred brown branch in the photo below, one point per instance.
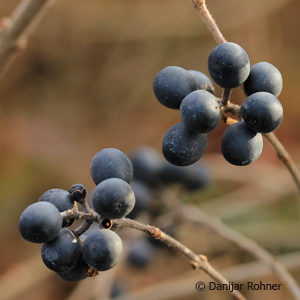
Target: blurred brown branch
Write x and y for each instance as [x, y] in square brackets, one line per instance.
[15, 30]
[191, 213]
[184, 285]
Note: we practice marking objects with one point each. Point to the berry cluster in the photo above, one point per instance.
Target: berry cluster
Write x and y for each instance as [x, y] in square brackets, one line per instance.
[75, 254]
[72, 254]
[192, 93]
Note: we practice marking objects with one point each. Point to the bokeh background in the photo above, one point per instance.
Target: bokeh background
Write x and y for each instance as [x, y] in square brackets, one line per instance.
[85, 83]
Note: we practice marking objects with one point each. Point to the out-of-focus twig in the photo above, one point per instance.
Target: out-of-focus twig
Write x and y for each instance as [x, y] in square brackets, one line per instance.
[185, 285]
[189, 212]
[15, 30]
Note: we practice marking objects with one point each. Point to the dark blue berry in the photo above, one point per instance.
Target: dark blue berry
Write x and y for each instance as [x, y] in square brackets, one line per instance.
[102, 249]
[62, 253]
[263, 77]
[113, 198]
[262, 112]
[111, 163]
[141, 253]
[200, 111]
[40, 222]
[79, 272]
[146, 165]
[240, 145]
[182, 147]
[171, 85]
[202, 81]
[228, 65]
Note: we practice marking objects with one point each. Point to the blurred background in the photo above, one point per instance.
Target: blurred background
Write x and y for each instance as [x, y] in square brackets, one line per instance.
[85, 83]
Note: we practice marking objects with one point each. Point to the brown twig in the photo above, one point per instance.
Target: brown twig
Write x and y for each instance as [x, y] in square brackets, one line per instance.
[16, 29]
[191, 213]
[282, 153]
[207, 18]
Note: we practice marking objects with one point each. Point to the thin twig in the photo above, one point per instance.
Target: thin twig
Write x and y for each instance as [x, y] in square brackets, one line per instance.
[207, 18]
[16, 29]
[226, 96]
[191, 213]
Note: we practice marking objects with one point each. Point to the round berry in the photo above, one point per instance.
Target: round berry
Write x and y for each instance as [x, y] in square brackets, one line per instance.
[102, 249]
[240, 145]
[263, 77]
[113, 198]
[228, 65]
[202, 81]
[79, 272]
[146, 165]
[262, 112]
[182, 147]
[40, 222]
[200, 111]
[141, 253]
[111, 163]
[62, 253]
[171, 85]
[58, 197]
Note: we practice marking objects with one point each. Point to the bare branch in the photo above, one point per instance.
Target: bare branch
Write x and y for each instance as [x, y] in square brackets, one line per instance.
[16, 29]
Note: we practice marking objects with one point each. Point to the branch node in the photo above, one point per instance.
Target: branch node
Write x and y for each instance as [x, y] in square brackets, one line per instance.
[155, 232]
[194, 265]
[4, 23]
[203, 257]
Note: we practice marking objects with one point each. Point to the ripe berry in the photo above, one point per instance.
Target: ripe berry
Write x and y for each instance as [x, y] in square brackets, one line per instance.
[263, 77]
[182, 147]
[262, 112]
[113, 198]
[228, 65]
[202, 81]
[146, 165]
[141, 253]
[171, 85]
[102, 249]
[240, 145]
[200, 111]
[109, 163]
[40, 222]
[79, 272]
[62, 253]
